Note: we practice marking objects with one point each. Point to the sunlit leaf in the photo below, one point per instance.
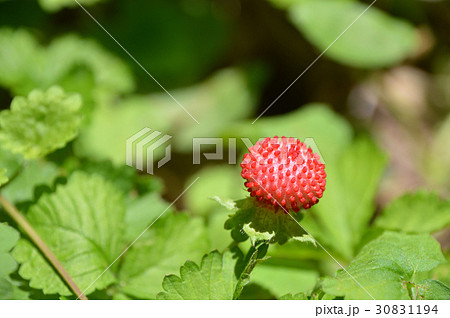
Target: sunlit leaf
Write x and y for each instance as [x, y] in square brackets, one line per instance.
[3, 176]
[344, 212]
[82, 224]
[40, 123]
[213, 279]
[55, 5]
[431, 289]
[258, 223]
[76, 64]
[280, 280]
[420, 212]
[160, 251]
[386, 267]
[375, 40]
[215, 103]
[299, 296]
[23, 186]
[8, 238]
[141, 212]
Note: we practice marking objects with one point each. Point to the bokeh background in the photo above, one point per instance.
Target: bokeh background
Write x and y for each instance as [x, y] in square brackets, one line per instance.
[377, 103]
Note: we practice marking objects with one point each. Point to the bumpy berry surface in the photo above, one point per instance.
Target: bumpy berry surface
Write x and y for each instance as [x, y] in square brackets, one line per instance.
[284, 172]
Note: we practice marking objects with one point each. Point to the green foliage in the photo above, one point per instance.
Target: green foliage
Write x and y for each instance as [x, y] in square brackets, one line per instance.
[280, 280]
[71, 62]
[34, 174]
[8, 238]
[82, 57]
[420, 212]
[55, 5]
[62, 162]
[3, 176]
[387, 267]
[284, 4]
[17, 57]
[261, 224]
[348, 203]
[221, 99]
[169, 242]
[9, 161]
[213, 279]
[79, 223]
[221, 179]
[299, 296]
[431, 289]
[191, 39]
[50, 120]
[138, 215]
[375, 40]
[437, 169]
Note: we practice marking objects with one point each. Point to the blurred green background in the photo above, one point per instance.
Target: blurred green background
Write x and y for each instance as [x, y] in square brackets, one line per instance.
[377, 103]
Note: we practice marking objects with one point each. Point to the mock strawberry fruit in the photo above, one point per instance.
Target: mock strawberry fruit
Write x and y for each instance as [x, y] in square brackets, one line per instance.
[284, 172]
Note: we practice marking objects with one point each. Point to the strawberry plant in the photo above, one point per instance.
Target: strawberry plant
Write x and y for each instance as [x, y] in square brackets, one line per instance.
[352, 204]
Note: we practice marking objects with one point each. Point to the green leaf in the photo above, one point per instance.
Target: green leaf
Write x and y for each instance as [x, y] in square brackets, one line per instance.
[139, 215]
[66, 63]
[8, 238]
[279, 280]
[25, 65]
[18, 55]
[431, 289]
[387, 267]
[6, 289]
[437, 170]
[215, 103]
[284, 4]
[82, 224]
[123, 177]
[442, 272]
[212, 180]
[246, 264]
[216, 219]
[343, 214]
[171, 240]
[40, 123]
[3, 176]
[299, 296]
[258, 223]
[34, 174]
[375, 40]
[9, 161]
[93, 71]
[9, 288]
[213, 279]
[420, 212]
[55, 5]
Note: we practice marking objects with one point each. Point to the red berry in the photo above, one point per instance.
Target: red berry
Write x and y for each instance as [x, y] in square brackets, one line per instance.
[284, 172]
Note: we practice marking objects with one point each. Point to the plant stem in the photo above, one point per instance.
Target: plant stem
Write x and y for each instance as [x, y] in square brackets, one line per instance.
[254, 256]
[37, 240]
